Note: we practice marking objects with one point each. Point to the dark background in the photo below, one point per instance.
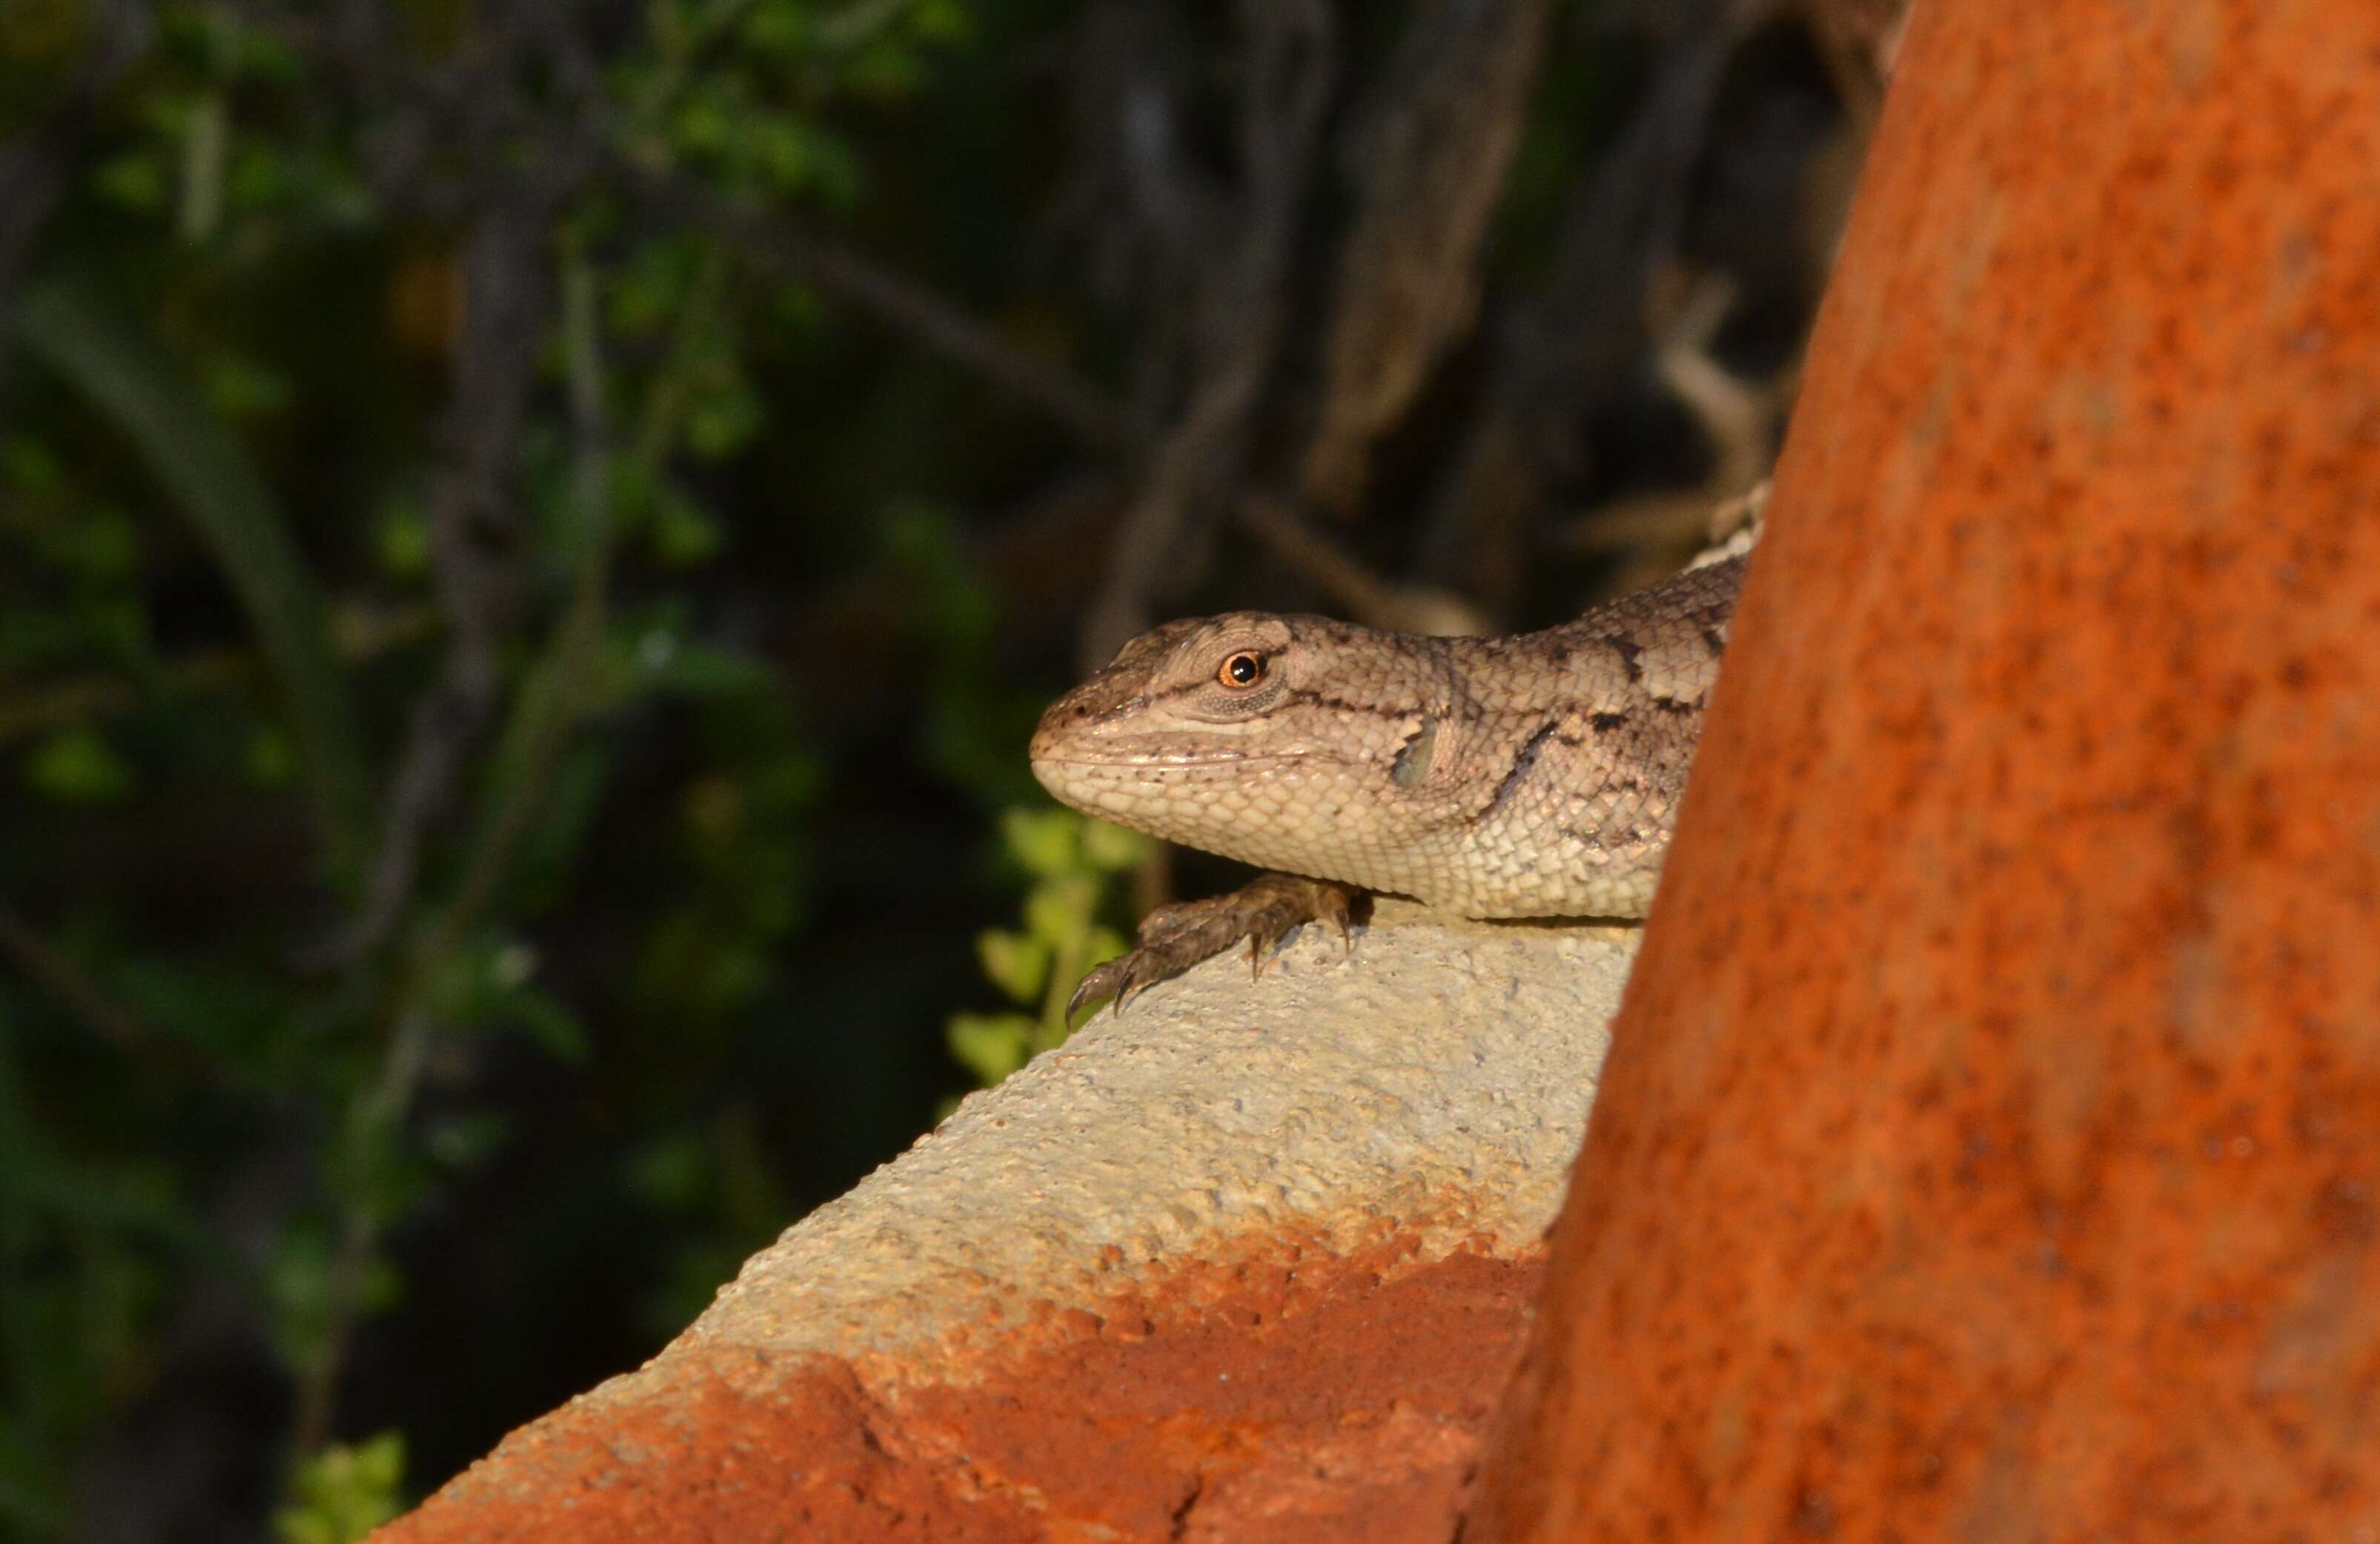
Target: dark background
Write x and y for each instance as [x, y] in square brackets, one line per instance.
[533, 535]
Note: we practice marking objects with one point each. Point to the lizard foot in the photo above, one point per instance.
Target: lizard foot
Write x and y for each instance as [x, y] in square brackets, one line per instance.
[1173, 938]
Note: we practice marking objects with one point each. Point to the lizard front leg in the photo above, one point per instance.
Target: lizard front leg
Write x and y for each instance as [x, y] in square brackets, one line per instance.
[1264, 911]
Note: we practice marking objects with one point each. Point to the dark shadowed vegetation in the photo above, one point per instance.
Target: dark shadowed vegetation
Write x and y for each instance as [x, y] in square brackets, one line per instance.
[533, 535]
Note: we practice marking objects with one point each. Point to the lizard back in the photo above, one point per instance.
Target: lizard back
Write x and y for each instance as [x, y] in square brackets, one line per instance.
[1534, 775]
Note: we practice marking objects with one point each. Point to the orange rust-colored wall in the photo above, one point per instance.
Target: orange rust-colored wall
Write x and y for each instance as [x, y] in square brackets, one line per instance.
[1991, 1148]
[1282, 1395]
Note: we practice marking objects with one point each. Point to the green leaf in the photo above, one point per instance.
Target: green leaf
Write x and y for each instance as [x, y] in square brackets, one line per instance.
[683, 533]
[134, 180]
[238, 388]
[463, 1142]
[552, 1027]
[96, 547]
[670, 1173]
[775, 27]
[218, 490]
[783, 147]
[271, 759]
[1111, 847]
[1017, 964]
[76, 766]
[706, 122]
[30, 465]
[296, 1282]
[940, 21]
[1045, 842]
[990, 1045]
[723, 422]
[691, 669]
[402, 538]
[1059, 909]
[342, 1493]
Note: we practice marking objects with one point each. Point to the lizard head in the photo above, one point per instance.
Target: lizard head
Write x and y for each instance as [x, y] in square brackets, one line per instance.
[1241, 733]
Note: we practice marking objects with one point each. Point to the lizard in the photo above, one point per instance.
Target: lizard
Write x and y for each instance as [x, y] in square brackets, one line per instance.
[1533, 775]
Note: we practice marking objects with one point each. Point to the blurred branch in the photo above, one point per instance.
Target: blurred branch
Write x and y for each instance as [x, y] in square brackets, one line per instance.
[1289, 71]
[545, 710]
[904, 306]
[1353, 586]
[1859, 40]
[1741, 420]
[84, 998]
[1440, 129]
[1138, 198]
[214, 485]
[471, 95]
[357, 636]
[33, 165]
[512, 191]
[473, 538]
[554, 697]
[1556, 357]
[439, 134]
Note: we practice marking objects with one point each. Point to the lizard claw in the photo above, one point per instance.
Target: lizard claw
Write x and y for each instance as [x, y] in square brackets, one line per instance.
[1119, 977]
[1097, 982]
[1173, 938]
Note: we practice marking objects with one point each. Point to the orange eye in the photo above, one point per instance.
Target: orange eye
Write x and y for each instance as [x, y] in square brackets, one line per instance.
[1242, 669]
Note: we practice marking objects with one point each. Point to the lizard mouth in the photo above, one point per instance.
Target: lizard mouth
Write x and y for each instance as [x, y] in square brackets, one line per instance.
[1137, 758]
[1097, 784]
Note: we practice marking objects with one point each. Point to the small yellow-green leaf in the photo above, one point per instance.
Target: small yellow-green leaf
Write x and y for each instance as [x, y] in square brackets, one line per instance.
[402, 538]
[1111, 847]
[134, 180]
[342, 1493]
[1060, 908]
[1045, 841]
[1016, 962]
[990, 1045]
[76, 766]
[940, 21]
[683, 533]
[1101, 946]
[272, 758]
[240, 388]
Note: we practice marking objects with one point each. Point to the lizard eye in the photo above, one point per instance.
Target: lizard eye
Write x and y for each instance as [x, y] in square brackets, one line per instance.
[1242, 669]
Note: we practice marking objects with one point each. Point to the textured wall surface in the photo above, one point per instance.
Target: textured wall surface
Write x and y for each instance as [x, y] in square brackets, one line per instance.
[1251, 1262]
[1992, 1147]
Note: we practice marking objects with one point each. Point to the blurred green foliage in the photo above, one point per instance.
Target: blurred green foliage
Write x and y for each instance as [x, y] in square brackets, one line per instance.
[221, 607]
[342, 1493]
[1071, 862]
[532, 539]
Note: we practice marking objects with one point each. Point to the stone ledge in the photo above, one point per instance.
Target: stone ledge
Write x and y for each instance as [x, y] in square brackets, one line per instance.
[1250, 1261]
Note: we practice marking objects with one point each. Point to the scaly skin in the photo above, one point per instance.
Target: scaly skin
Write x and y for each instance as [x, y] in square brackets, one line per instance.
[1536, 776]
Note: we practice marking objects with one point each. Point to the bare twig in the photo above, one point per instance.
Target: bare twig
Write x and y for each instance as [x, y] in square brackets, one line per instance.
[76, 992]
[459, 101]
[1739, 418]
[357, 636]
[1290, 70]
[1148, 215]
[476, 102]
[1440, 129]
[553, 700]
[33, 176]
[33, 166]
[1354, 587]
[545, 710]
[907, 307]
[472, 539]
[1555, 358]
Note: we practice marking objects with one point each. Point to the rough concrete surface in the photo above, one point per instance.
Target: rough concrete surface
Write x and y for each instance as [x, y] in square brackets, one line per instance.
[1251, 1261]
